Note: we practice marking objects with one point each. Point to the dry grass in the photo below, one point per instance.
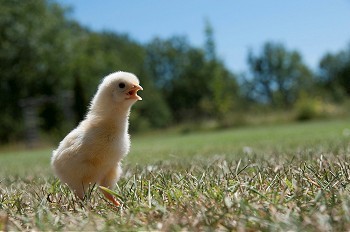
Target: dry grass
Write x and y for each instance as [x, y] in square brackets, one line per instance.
[301, 189]
[306, 192]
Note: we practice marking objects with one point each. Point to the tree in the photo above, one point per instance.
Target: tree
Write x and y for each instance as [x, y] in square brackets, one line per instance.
[277, 75]
[167, 63]
[166, 59]
[334, 73]
[221, 83]
[209, 46]
[34, 51]
[194, 83]
[190, 88]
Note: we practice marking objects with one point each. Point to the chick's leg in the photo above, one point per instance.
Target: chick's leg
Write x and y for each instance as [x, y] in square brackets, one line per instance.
[77, 188]
[111, 198]
[109, 181]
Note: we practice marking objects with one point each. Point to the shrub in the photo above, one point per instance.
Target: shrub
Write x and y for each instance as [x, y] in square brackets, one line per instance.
[308, 108]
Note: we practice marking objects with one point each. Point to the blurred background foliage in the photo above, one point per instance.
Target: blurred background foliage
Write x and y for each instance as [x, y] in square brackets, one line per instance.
[44, 53]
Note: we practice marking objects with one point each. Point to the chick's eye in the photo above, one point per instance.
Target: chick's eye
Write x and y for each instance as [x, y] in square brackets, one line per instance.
[121, 85]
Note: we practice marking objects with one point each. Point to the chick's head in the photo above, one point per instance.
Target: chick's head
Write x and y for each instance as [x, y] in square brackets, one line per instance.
[125, 89]
[118, 89]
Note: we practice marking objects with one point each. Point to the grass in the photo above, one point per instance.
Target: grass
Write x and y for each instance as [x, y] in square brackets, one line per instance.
[270, 178]
[260, 140]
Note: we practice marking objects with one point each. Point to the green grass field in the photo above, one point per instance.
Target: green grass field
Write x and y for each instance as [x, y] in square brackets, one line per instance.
[269, 178]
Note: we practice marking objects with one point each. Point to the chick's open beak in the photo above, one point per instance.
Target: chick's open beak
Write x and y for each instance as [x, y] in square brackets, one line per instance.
[132, 92]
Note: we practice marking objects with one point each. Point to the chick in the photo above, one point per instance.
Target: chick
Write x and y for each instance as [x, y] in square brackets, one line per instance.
[91, 153]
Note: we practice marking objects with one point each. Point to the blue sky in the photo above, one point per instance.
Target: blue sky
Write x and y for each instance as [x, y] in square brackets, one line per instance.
[313, 27]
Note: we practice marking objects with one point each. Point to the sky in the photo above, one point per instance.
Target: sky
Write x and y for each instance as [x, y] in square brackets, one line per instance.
[312, 27]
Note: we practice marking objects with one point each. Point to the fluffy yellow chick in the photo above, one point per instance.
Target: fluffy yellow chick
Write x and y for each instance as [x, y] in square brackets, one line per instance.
[92, 152]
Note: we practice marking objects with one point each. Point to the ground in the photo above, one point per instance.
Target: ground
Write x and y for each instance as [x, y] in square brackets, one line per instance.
[269, 178]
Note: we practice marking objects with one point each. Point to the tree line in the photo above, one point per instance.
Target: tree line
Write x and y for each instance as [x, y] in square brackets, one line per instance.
[44, 53]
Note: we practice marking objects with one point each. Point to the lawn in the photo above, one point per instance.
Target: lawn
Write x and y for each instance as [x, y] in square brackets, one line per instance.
[269, 178]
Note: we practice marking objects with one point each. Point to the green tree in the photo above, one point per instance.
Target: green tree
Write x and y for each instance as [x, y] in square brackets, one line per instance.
[34, 51]
[334, 73]
[191, 88]
[194, 83]
[277, 76]
[165, 60]
[222, 85]
[166, 63]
